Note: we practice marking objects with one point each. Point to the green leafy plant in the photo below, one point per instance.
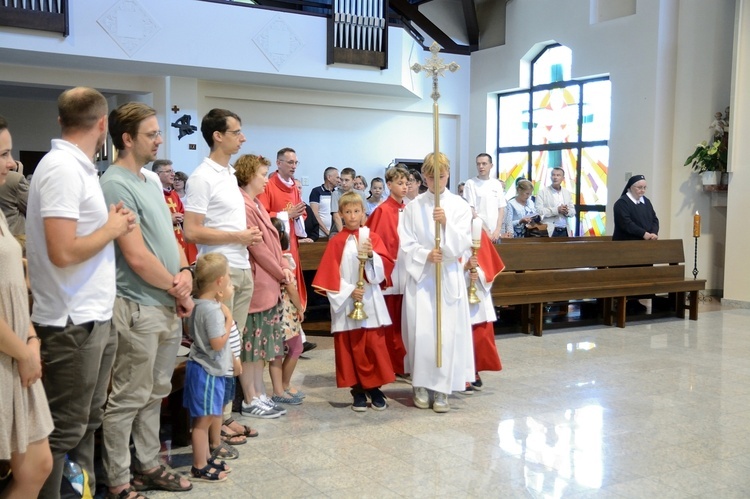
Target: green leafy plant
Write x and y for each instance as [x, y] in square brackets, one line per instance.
[707, 158]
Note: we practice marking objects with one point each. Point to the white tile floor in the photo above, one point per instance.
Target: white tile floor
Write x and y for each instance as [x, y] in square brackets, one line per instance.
[658, 409]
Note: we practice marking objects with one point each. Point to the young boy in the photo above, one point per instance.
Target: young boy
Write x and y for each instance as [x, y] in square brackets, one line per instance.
[384, 221]
[362, 360]
[347, 185]
[486, 197]
[417, 235]
[486, 358]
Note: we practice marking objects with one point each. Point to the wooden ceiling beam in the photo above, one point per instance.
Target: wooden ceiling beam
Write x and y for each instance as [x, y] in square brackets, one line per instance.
[472, 24]
[411, 12]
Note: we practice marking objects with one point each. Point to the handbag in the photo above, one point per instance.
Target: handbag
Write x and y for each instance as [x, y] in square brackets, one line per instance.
[536, 229]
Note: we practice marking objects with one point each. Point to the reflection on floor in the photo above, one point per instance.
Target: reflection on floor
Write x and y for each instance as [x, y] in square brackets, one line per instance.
[658, 409]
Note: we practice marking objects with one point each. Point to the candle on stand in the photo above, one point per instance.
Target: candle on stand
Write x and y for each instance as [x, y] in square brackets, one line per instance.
[364, 234]
[696, 225]
[476, 229]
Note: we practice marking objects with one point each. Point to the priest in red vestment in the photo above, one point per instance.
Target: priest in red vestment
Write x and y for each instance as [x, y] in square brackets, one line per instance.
[282, 195]
[163, 168]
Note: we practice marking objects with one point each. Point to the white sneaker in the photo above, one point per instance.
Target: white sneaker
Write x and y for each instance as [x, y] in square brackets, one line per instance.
[256, 409]
[421, 397]
[265, 400]
[441, 403]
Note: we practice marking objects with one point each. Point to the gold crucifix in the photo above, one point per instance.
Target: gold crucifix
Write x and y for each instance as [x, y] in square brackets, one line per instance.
[435, 67]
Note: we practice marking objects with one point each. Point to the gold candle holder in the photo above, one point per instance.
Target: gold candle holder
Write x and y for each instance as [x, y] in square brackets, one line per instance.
[473, 297]
[358, 314]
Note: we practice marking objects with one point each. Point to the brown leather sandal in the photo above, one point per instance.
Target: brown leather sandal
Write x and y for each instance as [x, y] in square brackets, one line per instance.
[159, 479]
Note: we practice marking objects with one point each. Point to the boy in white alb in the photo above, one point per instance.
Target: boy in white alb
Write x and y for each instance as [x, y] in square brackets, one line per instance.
[486, 197]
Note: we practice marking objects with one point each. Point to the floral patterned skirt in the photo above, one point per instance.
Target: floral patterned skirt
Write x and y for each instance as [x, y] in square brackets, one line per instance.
[263, 339]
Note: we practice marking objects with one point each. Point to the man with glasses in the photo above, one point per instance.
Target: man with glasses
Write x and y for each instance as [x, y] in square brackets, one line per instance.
[281, 195]
[164, 169]
[215, 212]
[154, 285]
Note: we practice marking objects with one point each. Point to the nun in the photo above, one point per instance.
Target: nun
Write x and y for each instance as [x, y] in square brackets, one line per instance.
[635, 217]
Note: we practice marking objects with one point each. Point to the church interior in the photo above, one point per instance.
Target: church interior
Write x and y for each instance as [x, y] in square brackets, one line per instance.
[656, 409]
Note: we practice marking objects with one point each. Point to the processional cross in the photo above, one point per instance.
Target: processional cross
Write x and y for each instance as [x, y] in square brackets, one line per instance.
[435, 67]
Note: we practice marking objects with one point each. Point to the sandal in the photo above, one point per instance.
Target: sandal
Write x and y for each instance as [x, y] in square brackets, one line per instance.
[233, 438]
[247, 431]
[209, 473]
[220, 465]
[125, 494]
[224, 451]
[159, 479]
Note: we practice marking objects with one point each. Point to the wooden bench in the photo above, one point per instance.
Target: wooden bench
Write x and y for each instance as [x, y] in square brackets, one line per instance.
[611, 271]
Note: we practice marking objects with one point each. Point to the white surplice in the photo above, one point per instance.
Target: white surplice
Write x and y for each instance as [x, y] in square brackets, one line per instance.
[374, 304]
[417, 234]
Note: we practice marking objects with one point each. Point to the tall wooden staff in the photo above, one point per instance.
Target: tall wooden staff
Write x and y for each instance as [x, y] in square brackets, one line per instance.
[435, 67]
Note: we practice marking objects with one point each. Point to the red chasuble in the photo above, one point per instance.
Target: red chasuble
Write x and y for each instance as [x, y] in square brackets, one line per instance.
[279, 197]
[175, 206]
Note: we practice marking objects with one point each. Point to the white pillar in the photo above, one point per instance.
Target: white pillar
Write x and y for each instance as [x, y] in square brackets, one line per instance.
[737, 266]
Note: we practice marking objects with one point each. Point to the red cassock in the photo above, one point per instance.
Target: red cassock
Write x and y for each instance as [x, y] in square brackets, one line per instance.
[486, 356]
[362, 356]
[175, 206]
[280, 197]
[384, 221]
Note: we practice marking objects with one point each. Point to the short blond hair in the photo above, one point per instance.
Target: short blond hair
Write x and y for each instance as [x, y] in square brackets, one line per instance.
[443, 164]
[524, 185]
[350, 197]
[208, 269]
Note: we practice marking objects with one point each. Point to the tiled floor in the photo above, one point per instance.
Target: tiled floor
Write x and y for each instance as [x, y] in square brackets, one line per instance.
[658, 409]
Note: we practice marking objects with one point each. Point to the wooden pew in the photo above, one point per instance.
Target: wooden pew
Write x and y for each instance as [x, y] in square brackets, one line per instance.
[612, 271]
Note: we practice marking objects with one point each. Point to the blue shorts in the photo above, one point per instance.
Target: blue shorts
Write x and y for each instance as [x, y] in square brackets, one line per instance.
[229, 384]
[203, 394]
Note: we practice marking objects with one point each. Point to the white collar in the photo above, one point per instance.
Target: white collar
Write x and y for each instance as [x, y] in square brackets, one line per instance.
[639, 201]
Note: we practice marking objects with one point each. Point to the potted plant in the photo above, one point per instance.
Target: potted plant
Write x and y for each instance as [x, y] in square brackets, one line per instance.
[709, 160]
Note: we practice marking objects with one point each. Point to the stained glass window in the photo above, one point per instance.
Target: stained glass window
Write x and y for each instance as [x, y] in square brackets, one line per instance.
[558, 122]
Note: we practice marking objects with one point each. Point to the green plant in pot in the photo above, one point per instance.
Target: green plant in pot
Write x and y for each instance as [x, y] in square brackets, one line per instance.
[708, 158]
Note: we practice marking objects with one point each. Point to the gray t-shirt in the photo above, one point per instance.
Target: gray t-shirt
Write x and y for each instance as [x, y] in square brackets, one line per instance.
[207, 322]
[145, 199]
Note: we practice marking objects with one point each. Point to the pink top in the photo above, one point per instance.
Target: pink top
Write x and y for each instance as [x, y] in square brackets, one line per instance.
[266, 258]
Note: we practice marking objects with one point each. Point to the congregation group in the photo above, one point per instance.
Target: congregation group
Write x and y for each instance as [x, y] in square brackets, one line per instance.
[116, 263]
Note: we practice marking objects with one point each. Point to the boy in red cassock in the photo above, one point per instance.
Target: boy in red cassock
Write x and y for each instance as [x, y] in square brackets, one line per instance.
[362, 360]
[384, 221]
[486, 358]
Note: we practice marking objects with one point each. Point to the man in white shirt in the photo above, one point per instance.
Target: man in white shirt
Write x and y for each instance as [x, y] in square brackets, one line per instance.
[215, 211]
[486, 196]
[70, 236]
[555, 205]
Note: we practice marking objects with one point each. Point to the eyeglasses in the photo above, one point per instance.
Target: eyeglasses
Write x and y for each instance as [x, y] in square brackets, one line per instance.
[236, 133]
[151, 135]
[290, 162]
[167, 171]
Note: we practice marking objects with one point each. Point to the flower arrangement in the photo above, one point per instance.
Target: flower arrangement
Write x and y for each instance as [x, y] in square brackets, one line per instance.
[707, 158]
